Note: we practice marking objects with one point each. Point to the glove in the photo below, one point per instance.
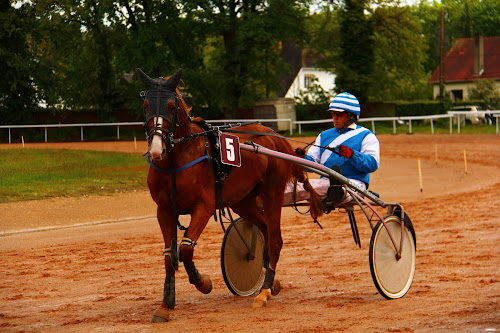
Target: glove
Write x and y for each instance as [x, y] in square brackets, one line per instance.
[300, 152]
[345, 151]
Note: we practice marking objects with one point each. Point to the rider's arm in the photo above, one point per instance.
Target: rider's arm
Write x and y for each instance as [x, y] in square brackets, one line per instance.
[314, 152]
[368, 159]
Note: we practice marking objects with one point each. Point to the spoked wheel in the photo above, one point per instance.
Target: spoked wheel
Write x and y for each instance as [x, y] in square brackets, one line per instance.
[242, 258]
[392, 275]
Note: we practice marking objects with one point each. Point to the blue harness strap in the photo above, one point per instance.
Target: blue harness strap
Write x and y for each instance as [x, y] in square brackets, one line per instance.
[172, 171]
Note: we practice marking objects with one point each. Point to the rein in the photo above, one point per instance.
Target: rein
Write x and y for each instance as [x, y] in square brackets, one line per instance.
[282, 137]
[167, 137]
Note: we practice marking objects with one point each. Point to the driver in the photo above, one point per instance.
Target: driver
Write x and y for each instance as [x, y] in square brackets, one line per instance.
[357, 151]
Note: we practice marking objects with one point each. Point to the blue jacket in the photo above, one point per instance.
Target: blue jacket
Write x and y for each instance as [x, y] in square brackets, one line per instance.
[363, 143]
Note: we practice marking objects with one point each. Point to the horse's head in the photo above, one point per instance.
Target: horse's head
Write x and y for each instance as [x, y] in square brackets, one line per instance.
[162, 103]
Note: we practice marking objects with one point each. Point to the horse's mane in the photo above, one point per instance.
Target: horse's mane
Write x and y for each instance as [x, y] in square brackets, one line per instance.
[183, 102]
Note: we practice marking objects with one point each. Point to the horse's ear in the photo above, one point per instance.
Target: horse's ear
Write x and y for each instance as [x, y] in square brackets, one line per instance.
[174, 79]
[146, 80]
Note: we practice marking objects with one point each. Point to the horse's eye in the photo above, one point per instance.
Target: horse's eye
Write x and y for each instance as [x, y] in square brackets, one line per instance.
[145, 107]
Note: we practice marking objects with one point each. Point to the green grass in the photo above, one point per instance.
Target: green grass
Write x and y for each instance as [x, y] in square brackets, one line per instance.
[29, 174]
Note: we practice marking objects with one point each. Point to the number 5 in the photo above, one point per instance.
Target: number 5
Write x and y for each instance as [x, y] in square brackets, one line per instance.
[230, 149]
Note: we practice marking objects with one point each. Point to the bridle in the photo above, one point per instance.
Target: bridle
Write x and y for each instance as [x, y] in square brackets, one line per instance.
[162, 97]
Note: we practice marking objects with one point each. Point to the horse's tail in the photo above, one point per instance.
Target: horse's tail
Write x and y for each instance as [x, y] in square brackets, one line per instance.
[316, 208]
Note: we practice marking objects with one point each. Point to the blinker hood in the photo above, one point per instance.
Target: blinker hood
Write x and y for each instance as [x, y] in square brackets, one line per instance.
[149, 83]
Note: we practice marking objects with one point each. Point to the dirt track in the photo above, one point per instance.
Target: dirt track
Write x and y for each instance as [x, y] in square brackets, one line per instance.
[106, 273]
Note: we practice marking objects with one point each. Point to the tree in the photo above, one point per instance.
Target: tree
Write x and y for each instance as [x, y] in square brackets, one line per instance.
[159, 37]
[399, 56]
[485, 16]
[428, 18]
[356, 50]
[245, 39]
[485, 91]
[324, 31]
[18, 90]
[395, 69]
[76, 49]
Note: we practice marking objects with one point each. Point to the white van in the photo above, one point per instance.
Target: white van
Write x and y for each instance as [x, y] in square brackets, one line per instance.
[473, 116]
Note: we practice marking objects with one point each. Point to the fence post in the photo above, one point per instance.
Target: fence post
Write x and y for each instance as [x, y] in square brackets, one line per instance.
[432, 126]
[11, 140]
[458, 124]
[451, 125]
[394, 127]
[409, 122]
[81, 133]
[117, 132]
[373, 127]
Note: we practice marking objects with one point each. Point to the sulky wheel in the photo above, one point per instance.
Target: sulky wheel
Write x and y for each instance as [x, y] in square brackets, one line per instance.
[392, 276]
[242, 258]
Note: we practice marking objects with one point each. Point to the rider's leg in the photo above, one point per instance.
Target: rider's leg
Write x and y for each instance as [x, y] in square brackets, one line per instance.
[320, 186]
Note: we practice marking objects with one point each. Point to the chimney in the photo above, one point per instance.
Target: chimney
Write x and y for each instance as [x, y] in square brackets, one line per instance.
[478, 55]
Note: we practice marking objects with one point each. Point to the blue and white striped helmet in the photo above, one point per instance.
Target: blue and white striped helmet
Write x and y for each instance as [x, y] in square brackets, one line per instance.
[345, 102]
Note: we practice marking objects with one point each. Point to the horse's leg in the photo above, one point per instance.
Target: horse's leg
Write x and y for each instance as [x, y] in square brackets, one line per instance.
[271, 285]
[169, 230]
[260, 212]
[199, 220]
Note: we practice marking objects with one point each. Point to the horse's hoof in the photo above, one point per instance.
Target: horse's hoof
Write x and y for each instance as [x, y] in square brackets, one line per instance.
[161, 315]
[206, 284]
[275, 290]
[259, 303]
[261, 299]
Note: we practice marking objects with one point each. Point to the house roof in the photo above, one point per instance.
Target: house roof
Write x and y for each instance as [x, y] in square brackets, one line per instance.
[459, 62]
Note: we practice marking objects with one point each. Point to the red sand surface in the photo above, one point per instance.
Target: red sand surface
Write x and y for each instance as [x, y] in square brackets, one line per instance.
[95, 263]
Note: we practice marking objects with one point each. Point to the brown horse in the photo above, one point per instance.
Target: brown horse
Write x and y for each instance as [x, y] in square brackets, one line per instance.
[254, 191]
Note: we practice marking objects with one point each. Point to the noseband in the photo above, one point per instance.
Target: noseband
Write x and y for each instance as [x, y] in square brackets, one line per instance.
[162, 99]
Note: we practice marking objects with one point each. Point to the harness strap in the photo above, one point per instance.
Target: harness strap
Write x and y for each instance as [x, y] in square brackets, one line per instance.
[191, 137]
[173, 171]
[253, 133]
[221, 171]
[174, 201]
[210, 130]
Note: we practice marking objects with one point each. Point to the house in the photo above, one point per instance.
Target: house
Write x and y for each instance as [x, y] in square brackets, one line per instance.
[306, 77]
[303, 72]
[468, 60]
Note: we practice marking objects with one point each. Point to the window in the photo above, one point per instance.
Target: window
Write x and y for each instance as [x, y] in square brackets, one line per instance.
[308, 80]
[457, 95]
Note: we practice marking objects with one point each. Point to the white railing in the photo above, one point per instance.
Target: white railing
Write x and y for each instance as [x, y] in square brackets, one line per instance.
[72, 125]
[494, 113]
[45, 127]
[393, 119]
[431, 118]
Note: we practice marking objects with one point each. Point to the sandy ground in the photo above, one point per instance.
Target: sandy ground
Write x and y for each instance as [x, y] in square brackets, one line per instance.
[95, 263]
